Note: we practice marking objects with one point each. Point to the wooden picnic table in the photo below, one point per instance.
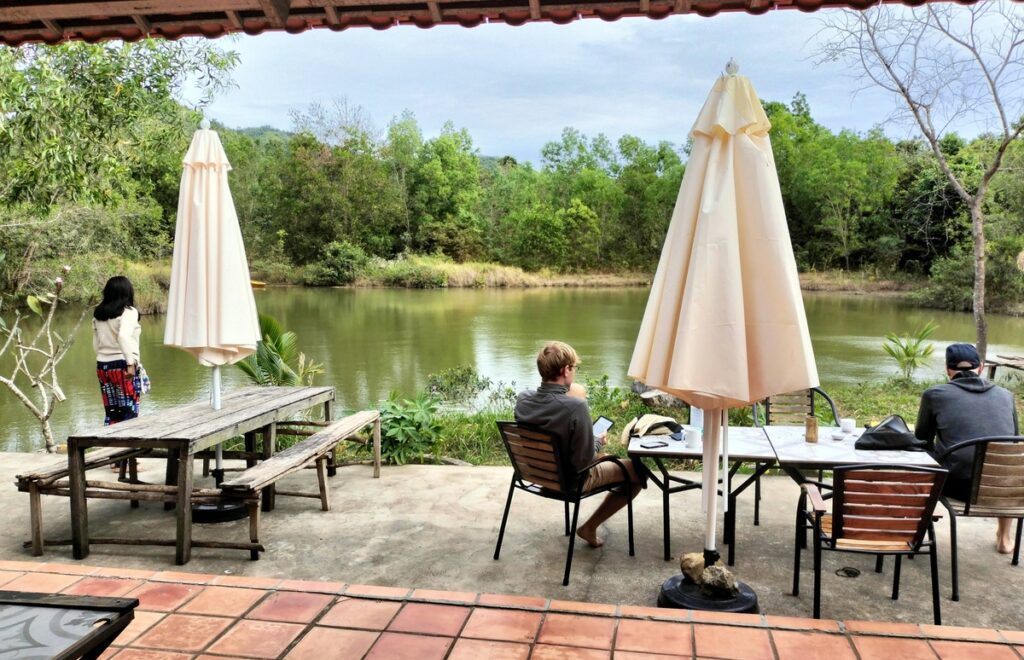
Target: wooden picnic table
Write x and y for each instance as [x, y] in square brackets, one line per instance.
[183, 431]
[1008, 361]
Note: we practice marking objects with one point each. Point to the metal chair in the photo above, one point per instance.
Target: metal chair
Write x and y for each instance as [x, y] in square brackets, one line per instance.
[997, 489]
[876, 510]
[540, 468]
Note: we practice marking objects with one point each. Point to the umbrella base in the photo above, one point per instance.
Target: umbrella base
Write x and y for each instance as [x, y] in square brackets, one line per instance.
[680, 593]
[218, 513]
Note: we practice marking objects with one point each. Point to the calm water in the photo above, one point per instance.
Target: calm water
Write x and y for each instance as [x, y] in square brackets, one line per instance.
[377, 340]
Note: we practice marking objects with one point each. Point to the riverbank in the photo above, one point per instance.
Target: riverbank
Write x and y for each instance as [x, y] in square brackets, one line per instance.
[841, 281]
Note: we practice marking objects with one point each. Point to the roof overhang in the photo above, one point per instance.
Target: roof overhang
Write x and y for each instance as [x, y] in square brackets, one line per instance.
[54, 21]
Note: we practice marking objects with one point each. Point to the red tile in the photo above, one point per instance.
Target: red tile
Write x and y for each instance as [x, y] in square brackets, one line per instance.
[500, 600]
[731, 642]
[582, 608]
[320, 643]
[142, 622]
[570, 630]
[312, 586]
[800, 623]
[291, 606]
[361, 613]
[430, 619]
[796, 645]
[219, 657]
[163, 596]
[884, 628]
[637, 612]
[183, 632]
[223, 601]
[46, 583]
[374, 591]
[555, 652]
[117, 572]
[505, 625]
[143, 654]
[892, 647]
[949, 650]
[66, 569]
[257, 639]
[631, 655]
[397, 646]
[245, 581]
[728, 618]
[1015, 636]
[7, 576]
[19, 566]
[467, 597]
[94, 586]
[182, 577]
[654, 637]
[474, 649]
[963, 634]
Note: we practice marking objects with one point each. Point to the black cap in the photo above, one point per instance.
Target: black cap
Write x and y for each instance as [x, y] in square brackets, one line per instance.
[962, 356]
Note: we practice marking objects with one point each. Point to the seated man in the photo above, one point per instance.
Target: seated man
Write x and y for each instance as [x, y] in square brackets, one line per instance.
[965, 408]
[561, 409]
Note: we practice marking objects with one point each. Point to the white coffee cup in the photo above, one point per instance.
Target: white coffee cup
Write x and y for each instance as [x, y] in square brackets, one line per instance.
[691, 437]
[847, 424]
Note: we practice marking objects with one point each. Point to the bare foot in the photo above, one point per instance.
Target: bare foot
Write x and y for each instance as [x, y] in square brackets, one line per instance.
[1004, 545]
[590, 536]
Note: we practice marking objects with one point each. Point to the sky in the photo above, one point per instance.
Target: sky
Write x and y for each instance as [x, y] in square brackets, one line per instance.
[516, 88]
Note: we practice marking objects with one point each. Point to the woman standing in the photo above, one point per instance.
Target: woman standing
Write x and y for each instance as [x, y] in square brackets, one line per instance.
[115, 339]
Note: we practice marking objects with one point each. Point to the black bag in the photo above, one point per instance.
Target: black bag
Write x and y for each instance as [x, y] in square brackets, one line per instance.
[891, 433]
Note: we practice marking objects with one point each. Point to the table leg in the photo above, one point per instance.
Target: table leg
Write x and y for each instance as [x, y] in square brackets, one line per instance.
[332, 458]
[269, 440]
[376, 448]
[171, 474]
[79, 512]
[250, 449]
[666, 517]
[183, 547]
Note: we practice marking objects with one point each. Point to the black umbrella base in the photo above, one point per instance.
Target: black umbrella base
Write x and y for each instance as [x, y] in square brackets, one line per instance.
[221, 511]
[680, 593]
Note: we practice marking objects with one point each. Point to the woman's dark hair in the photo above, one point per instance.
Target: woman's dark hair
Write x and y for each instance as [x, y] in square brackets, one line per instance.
[117, 294]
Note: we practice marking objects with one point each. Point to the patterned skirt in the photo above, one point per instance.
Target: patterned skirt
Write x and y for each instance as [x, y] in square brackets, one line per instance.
[120, 391]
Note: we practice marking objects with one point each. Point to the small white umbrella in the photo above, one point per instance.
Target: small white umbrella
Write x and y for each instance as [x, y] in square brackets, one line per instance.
[725, 324]
[211, 312]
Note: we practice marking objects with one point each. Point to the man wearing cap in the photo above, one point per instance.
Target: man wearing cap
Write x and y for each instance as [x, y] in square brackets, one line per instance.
[965, 408]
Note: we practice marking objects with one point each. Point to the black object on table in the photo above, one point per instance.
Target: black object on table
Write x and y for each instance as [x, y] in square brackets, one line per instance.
[43, 626]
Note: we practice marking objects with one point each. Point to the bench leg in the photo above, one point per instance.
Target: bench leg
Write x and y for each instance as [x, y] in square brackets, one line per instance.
[254, 527]
[269, 441]
[183, 545]
[332, 458]
[133, 476]
[36, 517]
[376, 448]
[321, 477]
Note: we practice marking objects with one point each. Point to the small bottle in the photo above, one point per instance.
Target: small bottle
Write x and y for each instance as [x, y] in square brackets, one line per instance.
[811, 428]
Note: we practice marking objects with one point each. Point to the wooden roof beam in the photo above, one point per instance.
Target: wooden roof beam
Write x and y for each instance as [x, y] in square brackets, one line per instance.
[277, 11]
[53, 26]
[143, 23]
[234, 19]
[435, 11]
[332, 15]
[683, 6]
[535, 9]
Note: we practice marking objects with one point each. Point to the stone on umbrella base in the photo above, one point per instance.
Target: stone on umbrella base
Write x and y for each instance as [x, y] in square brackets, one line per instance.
[706, 588]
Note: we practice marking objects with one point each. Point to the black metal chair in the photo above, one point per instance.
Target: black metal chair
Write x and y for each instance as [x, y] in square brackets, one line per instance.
[539, 468]
[997, 490]
[876, 510]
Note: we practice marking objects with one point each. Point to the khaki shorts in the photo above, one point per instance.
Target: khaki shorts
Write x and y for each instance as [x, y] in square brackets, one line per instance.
[603, 474]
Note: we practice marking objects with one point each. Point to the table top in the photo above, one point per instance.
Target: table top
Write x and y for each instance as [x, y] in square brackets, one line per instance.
[746, 443]
[196, 426]
[791, 449]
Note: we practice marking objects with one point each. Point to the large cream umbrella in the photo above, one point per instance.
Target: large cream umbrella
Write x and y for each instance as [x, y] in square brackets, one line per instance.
[725, 323]
[211, 312]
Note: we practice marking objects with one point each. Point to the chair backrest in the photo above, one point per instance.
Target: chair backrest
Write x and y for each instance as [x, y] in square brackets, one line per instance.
[535, 456]
[793, 407]
[997, 475]
[888, 503]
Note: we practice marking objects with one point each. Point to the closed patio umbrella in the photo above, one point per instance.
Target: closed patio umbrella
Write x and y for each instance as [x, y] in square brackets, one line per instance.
[724, 324]
[211, 312]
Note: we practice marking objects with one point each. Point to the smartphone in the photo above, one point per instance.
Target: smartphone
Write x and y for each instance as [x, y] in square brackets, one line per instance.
[653, 444]
[602, 425]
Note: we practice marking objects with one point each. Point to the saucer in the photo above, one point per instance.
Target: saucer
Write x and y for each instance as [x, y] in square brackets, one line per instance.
[839, 435]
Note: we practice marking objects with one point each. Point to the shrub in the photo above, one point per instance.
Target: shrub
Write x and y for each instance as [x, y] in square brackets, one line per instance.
[414, 274]
[911, 351]
[339, 263]
[458, 384]
[409, 428]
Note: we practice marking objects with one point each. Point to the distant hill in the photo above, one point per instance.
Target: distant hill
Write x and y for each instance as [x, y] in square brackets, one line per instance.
[257, 132]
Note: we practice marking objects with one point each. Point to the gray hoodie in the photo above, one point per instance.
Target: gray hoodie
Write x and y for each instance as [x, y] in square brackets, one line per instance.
[965, 408]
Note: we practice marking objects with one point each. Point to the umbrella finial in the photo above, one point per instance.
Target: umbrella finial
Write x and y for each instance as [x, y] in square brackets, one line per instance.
[732, 68]
[205, 124]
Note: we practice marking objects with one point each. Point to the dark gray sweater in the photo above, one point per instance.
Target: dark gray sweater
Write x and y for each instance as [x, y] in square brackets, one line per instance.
[568, 418]
[965, 408]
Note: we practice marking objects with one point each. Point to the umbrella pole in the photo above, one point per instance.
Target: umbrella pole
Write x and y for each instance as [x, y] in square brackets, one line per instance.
[218, 471]
[712, 439]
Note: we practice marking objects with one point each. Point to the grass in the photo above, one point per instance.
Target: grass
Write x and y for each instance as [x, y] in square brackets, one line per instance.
[860, 282]
[84, 283]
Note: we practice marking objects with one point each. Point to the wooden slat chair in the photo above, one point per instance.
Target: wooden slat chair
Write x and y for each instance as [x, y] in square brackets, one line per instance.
[539, 468]
[997, 489]
[876, 510]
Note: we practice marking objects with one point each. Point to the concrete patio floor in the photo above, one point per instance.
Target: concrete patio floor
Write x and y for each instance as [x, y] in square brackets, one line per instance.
[434, 527]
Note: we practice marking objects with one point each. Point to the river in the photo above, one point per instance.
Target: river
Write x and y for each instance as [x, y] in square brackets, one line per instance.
[372, 341]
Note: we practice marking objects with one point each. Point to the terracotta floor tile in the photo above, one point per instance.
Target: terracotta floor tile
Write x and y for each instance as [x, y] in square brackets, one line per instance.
[219, 657]
[96, 586]
[430, 619]
[163, 596]
[800, 623]
[654, 637]
[245, 581]
[182, 577]
[654, 612]
[962, 634]
[570, 630]
[143, 654]
[321, 643]
[1015, 636]
[582, 608]
[505, 625]
[883, 627]
[892, 647]
[950, 650]
[223, 601]
[66, 569]
[291, 606]
[257, 639]
[142, 622]
[374, 591]
[798, 645]
[730, 618]
[114, 571]
[632, 655]
[361, 613]
[475, 649]
[555, 652]
[7, 576]
[47, 583]
[397, 646]
[468, 597]
[311, 586]
[183, 632]
[731, 642]
[19, 566]
[501, 600]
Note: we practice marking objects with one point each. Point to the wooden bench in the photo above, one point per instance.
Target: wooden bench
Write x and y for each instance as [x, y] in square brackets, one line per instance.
[316, 449]
[47, 482]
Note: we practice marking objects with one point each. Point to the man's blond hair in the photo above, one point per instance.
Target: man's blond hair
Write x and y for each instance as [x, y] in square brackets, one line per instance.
[555, 356]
